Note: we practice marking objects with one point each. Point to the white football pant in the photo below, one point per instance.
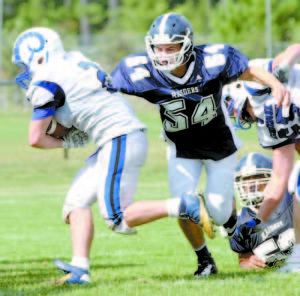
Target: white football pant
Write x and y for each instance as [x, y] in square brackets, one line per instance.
[111, 176]
[184, 176]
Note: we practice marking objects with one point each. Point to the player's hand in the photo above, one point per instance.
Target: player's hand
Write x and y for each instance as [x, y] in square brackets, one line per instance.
[281, 72]
[282, 95]
[75, 139]
[248, 228]
[250, 261]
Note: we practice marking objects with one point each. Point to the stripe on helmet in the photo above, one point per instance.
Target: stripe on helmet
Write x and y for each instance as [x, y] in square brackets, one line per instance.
[162, 26]
[249, 158]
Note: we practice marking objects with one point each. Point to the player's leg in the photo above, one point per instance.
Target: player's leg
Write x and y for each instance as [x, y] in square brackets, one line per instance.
[293, 262]
[132, 150]
[219, 187]
[184, 176]
[77, 213]
[228, 229]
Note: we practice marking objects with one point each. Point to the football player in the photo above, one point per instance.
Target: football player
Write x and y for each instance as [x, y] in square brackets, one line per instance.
[76, 91]
[278, 128]
[276, 240]
[186, 81]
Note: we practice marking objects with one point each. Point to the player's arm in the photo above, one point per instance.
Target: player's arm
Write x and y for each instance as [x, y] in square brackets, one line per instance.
[283, 159]
[38, 127]
[250, 261]
[262, 76]
[289, 57]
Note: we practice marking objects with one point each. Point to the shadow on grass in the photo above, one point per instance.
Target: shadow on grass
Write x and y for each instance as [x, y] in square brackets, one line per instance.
[21, 277]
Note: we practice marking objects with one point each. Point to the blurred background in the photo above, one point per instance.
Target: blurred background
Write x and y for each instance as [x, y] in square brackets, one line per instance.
[107, 30]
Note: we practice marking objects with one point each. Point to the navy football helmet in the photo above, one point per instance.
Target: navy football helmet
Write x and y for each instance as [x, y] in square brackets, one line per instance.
[236, 99]
[170, 28]
[252, 175]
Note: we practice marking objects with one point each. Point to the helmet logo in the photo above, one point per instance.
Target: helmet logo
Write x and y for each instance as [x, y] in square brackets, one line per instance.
[35, 43]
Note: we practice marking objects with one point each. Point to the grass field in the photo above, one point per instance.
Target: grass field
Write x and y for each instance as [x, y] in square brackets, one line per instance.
[158, 261]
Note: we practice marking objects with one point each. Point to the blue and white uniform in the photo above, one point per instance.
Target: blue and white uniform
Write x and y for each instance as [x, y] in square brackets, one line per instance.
[73, 89]
[277, 126]
[276, 240]
[195, 123]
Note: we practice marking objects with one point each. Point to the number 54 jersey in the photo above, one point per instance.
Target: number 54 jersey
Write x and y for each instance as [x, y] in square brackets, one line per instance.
[191, 108]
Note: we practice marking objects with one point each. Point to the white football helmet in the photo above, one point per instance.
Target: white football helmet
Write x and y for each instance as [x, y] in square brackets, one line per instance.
[33, 48]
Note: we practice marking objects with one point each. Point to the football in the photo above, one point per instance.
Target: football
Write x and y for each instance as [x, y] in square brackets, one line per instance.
[56, 130]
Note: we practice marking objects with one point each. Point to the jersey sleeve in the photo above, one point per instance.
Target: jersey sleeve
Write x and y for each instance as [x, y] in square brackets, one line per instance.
[237, 243]
[238, 246]
[236, 64]
[266, 64]
[39, 97]
[122, 78]
[44, 94]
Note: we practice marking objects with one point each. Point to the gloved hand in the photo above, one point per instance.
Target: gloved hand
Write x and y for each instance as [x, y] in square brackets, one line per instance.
[281, 72]
[75, 139]
[248, 228]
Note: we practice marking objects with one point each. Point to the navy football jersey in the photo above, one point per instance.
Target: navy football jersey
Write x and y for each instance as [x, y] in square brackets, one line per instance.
[276, 240]
[191, 107]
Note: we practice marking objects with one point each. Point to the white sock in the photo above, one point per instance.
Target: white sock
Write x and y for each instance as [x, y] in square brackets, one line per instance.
[81, 262]
[173, 206]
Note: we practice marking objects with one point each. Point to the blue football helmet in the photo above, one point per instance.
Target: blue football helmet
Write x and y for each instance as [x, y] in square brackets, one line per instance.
[251, 177]
[33, 48]
[170, 28]
[236, 99]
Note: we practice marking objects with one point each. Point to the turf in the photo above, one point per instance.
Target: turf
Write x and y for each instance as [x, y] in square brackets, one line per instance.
[158, 261]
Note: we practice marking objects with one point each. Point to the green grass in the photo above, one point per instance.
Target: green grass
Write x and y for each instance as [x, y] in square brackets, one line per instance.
[159, 261]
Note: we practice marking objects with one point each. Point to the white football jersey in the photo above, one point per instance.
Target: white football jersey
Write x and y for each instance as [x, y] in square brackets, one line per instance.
[276, 126]
[71, 82]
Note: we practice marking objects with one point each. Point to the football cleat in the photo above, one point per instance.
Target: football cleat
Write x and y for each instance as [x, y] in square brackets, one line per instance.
[206, 267]
[73, 275]
[189, 207]
[206, 221]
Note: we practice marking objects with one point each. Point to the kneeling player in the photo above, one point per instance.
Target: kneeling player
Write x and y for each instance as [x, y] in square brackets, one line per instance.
[274, 243]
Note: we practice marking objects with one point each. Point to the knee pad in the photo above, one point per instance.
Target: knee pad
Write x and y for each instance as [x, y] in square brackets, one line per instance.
[219, 211]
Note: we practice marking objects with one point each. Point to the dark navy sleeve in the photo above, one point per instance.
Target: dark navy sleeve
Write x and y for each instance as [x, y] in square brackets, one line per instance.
[121, 79]
[236, 64]
[238, 245]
